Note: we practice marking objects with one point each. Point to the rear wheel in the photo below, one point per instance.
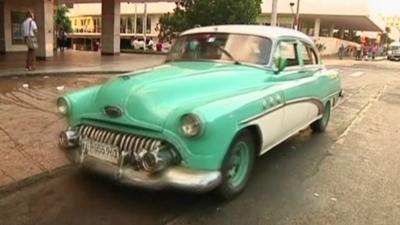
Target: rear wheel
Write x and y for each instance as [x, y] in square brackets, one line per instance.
[237, 166]
[321, 124]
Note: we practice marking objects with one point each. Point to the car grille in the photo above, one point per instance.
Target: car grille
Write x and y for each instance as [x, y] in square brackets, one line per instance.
[125, 142]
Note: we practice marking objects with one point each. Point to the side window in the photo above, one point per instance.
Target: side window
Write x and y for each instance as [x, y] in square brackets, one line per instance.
[308, 54]
[313, 55]
[288, 51]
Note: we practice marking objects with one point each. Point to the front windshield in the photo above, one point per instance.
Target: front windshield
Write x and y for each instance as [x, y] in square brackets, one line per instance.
[237, 48]
[394, 47]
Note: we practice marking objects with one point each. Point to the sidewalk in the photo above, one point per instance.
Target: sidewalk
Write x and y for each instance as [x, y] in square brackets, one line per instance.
[77, 62]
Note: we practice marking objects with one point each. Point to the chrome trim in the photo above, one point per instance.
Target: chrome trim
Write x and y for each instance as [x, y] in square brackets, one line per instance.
[176, 177]
[124, 141]
[270, 110]
[318, 102]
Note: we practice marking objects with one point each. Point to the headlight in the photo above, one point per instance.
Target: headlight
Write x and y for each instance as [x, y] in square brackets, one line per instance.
[62, 106]
[191, 125]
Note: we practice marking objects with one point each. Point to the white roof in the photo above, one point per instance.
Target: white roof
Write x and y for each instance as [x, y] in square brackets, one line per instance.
[273, 33]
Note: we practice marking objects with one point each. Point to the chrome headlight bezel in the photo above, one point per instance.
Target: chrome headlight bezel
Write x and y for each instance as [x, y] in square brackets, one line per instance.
[62, 106]
[191, 125]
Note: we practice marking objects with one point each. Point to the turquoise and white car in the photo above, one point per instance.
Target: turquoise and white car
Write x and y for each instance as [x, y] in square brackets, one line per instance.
[225, 95]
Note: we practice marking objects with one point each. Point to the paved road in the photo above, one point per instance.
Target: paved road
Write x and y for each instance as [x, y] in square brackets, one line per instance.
[349, 175]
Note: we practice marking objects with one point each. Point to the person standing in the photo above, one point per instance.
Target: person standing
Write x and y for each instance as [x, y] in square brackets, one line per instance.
[62, 39]
[30, 30]
[374, 51]
[341, 51]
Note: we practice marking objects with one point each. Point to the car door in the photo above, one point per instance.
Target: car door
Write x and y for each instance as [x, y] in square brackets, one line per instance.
[298, 81]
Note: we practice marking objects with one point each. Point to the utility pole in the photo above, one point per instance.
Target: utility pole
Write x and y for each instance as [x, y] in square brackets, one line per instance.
[297, 27]
[274, 13]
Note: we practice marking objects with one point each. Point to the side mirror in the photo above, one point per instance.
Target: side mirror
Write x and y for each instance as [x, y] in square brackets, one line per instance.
[280, 64]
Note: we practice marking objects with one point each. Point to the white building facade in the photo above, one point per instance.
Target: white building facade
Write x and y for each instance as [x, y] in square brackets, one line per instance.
[113, 22]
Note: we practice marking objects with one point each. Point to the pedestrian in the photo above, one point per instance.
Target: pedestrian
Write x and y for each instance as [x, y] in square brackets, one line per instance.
[341, 51]
[359, 52]
[150, 44]
[370, 52]
[62, 39]
[374, 51]
[30, 29]
[365, 52]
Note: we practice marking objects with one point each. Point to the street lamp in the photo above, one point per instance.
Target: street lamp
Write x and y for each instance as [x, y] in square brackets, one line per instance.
[294, 18]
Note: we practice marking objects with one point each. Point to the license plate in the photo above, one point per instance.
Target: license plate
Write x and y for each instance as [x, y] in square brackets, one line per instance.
[101, 151]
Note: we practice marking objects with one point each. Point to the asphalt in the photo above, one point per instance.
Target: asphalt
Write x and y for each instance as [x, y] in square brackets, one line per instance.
[348, 175]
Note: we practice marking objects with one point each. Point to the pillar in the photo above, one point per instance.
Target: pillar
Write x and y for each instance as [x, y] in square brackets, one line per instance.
[317, 27]
[111, 22]
[44, 16]
[331, 30]
[341, 33]
[2, 31]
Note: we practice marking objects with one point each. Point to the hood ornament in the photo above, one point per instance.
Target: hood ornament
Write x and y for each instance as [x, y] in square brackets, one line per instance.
[113, 111]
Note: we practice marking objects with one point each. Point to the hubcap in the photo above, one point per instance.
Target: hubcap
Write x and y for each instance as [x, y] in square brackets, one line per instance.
[239, 162]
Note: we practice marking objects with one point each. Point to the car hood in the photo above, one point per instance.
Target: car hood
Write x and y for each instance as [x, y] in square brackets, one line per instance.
[150, 96]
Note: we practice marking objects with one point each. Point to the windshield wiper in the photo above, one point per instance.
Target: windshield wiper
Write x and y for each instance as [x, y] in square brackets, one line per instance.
[229, 55]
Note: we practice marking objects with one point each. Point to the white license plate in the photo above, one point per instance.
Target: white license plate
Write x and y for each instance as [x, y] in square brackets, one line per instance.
[101, 151]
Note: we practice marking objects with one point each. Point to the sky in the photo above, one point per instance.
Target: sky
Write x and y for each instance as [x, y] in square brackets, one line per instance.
[388, 7]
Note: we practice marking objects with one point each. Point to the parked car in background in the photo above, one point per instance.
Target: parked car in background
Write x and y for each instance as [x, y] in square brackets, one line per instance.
[394, 51]
[225, 95]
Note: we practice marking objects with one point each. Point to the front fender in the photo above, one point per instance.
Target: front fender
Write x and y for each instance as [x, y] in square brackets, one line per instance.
[221, 120]
[80, 103]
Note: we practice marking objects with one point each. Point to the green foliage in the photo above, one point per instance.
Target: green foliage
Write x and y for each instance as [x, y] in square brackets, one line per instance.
[61, 19]
[191, 13]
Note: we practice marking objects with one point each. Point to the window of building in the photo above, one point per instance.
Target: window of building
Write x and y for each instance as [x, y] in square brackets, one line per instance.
[139, 25]
[17, 32]
[148, 29]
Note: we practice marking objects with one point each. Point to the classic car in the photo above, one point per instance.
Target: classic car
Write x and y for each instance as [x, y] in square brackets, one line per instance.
[394, 51]
[224, 95]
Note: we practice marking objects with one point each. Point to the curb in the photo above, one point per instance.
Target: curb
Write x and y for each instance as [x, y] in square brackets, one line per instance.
[29, 181]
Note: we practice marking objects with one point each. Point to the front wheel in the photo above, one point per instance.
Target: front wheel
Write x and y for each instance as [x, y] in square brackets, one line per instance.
[321, 124]
[237, 166]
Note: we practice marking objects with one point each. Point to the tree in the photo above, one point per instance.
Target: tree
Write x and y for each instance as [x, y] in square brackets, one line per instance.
[190, 13]
[61, 19]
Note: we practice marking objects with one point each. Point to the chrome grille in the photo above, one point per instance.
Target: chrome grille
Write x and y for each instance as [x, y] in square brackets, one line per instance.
[126, 142]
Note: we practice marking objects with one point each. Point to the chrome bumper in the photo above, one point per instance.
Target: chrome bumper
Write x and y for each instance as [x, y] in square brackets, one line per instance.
[174, 177]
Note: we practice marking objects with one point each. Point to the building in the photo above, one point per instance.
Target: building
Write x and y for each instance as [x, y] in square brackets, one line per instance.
[113, 22]
[12, 14]
[331, 23]
[86, 23]
[393, 23]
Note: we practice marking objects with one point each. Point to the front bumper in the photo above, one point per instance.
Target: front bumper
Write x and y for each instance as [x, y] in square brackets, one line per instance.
[174, 177]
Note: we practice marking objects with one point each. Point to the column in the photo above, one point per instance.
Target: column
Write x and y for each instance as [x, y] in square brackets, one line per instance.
[317, 27]
[44, 16]
[2, 33]
[341, 33]
[331, 30]
[110, 21]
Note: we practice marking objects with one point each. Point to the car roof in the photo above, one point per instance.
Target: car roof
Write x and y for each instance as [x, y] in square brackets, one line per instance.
[273, 33]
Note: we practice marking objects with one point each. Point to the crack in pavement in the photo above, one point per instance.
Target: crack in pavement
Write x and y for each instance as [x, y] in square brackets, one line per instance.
[358, 117]
[20, 148]
[8, 175]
